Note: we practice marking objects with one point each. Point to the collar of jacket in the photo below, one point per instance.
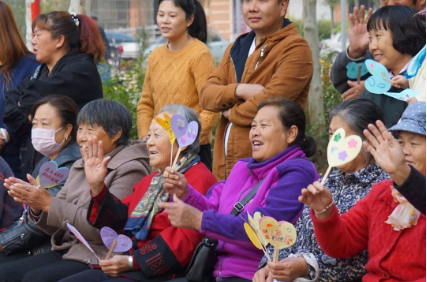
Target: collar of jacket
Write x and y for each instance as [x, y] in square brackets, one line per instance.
[67, 58]
[262, 169]
[135, 150]
[240, 49]
[69, 153]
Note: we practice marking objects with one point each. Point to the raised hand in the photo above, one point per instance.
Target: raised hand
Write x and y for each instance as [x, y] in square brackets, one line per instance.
[358, 32]
[317, 197]
[175, 183]
[387, 152]
[95, 165]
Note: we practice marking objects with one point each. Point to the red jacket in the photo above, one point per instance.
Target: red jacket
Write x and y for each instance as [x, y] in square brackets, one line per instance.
[393, 255]
[167, 249]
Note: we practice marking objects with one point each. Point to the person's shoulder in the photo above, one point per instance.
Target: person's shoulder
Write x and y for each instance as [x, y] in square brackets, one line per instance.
[134, 153]
[382, 187]
[200, 170]
[298, 164]
[5, 170]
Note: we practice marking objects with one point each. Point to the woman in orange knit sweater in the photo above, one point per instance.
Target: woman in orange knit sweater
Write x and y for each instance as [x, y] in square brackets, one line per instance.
[177, 70]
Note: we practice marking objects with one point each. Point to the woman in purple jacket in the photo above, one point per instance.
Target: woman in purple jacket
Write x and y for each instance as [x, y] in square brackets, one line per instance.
[279, 159]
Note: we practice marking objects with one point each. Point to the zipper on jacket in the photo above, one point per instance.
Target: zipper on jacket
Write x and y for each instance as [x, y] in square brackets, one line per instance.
[261, 55]
[218, 278]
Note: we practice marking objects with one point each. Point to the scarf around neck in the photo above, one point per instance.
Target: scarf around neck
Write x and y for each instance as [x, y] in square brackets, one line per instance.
[141, 218]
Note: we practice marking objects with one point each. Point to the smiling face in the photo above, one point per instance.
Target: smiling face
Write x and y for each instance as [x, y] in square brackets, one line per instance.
[172, 20]
[268, 136]
[410, 3]
[414, 148]
[264, 16]
[159, 146]
[86, 131]
[381, 47]
[359, 162]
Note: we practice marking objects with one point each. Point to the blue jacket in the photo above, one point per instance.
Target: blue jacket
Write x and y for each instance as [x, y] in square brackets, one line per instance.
[22, 69]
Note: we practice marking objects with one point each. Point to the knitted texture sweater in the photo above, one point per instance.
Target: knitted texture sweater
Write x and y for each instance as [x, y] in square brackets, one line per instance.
[176, 77]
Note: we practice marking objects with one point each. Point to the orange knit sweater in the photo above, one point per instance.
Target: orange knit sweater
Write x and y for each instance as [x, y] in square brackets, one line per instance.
[177, 78]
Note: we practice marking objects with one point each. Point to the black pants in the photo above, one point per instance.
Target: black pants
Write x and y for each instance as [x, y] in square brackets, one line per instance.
[48, 267]
[4, 258]
[94, 275]
[230, 279]
[205, 155]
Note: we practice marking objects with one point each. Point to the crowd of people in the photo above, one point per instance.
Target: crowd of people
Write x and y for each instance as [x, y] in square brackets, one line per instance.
[365, 222]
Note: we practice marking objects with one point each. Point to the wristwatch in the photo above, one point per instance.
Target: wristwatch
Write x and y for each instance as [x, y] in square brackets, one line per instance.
[130, 261]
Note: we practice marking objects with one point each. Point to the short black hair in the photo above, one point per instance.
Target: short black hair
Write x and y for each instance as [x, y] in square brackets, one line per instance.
[408, 32]
[110, 115]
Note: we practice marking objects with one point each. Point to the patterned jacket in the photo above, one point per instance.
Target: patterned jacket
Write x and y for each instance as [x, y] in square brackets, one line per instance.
[346, 189]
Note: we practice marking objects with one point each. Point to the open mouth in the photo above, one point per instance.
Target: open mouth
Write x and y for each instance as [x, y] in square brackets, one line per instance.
[257, 144]
[152, 153]
[377, 57]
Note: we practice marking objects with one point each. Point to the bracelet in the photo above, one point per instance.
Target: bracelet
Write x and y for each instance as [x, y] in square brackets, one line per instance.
[130, 261]
[325, 209]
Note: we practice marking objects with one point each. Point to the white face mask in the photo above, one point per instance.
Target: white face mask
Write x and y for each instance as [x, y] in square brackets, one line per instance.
[44, 140]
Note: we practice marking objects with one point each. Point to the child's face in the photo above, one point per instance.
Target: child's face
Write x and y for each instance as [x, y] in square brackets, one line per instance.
[381, 47]
[264, 16]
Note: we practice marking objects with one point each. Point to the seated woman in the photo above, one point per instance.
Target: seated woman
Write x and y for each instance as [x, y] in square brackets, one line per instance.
[389, 155]
[128, 164]
[396, 242]
[54, 136]
[348, 183]
[279, 166]
[154, 238]
[395, 37]
[9, 209]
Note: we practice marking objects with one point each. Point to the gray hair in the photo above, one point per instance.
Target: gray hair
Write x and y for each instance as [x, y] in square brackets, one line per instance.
[190, 115]
[358, 114]
[110, 115]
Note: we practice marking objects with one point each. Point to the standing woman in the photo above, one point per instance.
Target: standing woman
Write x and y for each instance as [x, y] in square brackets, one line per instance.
[16, 63]
[177, 70]
[67, 47]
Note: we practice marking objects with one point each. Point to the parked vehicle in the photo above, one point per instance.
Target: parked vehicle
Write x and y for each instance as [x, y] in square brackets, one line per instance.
[216, 43]
[123, 44]
[332, 46]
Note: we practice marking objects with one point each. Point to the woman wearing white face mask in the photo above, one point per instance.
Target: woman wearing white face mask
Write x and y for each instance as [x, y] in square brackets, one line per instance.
[53, 135]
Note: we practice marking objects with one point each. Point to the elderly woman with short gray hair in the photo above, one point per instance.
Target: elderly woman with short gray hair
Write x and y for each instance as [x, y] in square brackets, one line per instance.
[128, 163]
[160, 251]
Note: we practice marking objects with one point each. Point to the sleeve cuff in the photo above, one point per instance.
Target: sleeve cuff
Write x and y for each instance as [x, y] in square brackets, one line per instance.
[100, 197]
[355, 59]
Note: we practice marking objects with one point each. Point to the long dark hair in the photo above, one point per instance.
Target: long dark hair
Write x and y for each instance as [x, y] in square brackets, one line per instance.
[199, 28]
[291, 113]
[12, 46]
[81, 35]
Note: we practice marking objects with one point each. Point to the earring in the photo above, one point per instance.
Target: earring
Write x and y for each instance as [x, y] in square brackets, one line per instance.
[66, 138]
